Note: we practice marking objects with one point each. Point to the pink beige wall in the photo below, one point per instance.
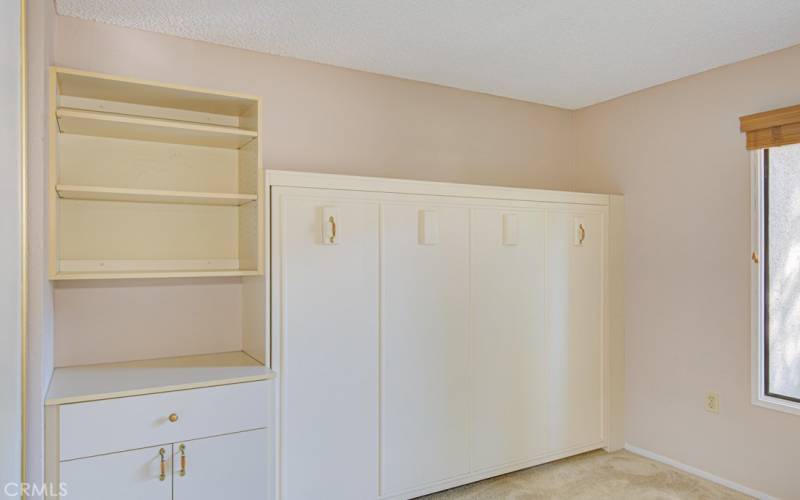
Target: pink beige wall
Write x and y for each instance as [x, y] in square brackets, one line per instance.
[676, 152]
[326, 119]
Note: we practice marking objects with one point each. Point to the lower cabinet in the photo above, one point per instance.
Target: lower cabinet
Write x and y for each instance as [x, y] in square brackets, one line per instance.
[233, 467]
[199, 444]
[129, 475]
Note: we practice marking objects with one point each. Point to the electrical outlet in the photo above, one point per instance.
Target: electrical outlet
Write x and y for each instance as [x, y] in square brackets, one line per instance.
[712, 402]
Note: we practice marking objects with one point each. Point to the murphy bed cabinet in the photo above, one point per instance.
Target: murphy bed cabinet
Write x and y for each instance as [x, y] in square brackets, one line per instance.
[428, 335]
[162, 383]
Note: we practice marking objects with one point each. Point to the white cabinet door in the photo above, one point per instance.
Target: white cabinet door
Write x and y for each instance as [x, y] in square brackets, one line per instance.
[424, 372]
[508, 336]
[229, 467]
[328, 323]
[575, 301]
[130, 475]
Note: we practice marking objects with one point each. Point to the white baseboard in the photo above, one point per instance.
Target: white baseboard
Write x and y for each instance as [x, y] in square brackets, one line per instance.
[699, 473]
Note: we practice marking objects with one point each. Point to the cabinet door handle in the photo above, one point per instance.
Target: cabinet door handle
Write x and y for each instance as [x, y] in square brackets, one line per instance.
[182, 449]
[163, 475]
[583, 233]
[333, 228]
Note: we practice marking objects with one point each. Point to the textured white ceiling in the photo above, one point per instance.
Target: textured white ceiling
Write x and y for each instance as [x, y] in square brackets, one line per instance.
[567, 53]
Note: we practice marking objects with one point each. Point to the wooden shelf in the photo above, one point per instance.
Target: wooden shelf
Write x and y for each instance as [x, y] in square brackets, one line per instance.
[121, 269]
[151, 195]
[60, 276]
[94, 123]
[78, 384]
[181, 196]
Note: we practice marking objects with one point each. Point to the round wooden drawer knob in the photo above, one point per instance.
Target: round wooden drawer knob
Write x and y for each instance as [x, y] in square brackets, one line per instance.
[173, 417]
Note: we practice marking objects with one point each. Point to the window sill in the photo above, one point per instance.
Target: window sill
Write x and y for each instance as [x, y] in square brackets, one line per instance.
[777, 404]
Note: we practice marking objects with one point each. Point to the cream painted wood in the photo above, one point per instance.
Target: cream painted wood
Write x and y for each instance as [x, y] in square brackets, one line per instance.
[132, 475]
[172, 232]
[425, 390]
[576, 358]
[78, 384]
[81, 122]
[230, 467]
[113, 425]
[255, 317]
[508, 337]
[404, 186]
[52, 453]
[577, 325]
[151, 195]
[120, 163]
[615, 304]
[126, 108]
[326, 313]
[87, 84]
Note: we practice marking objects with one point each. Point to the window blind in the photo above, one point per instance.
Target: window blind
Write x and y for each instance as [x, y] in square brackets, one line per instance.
[778, 127]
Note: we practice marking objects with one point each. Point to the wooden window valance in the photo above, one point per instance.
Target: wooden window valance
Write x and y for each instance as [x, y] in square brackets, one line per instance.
[778, 127]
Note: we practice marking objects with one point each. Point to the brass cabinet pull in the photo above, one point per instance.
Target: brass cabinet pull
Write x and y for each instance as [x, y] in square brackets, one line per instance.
[163, 475]
[173, 417]
[755, 257]
[333, 228]
[583, 233]
[182, 449]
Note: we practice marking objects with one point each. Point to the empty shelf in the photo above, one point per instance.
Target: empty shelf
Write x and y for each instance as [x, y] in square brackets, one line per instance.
[132, 378]
[94, 123]
[151, 195]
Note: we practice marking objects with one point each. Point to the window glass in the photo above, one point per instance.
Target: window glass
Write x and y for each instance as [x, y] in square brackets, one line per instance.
[782, 246]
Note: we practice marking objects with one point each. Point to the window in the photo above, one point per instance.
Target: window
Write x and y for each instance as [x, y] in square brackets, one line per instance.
[777, 277]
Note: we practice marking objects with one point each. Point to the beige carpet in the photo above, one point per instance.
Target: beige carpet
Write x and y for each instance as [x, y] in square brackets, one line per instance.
[597, 475]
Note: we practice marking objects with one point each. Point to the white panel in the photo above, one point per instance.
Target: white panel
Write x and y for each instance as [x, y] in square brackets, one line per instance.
[425, 388]
[508, 339]
[230, 467]
[132, 475]
[135, 422]
[328, 304]
[575, 295]
[428, 227]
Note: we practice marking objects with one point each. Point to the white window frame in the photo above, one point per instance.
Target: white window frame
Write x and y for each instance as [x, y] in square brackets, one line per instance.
[757, 295]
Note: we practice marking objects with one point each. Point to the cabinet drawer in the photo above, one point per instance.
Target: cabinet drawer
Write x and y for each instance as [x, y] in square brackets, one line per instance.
[98, 427]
